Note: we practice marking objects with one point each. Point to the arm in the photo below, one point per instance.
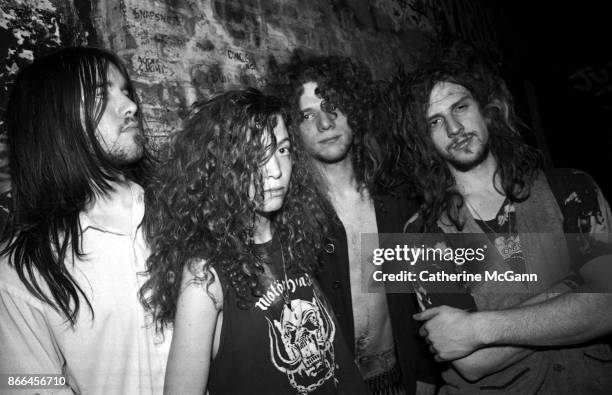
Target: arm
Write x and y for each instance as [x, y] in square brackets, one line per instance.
[581, 316]
[492, 359]
[571, 318]
[27, 344]
[195, 323]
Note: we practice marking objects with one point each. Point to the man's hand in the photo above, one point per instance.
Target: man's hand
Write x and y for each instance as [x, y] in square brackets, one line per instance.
[451, 333]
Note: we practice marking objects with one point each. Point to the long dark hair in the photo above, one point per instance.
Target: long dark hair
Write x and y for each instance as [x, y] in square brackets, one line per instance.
[517, 162]
[58, 167]
[199, 206]
[348, 85]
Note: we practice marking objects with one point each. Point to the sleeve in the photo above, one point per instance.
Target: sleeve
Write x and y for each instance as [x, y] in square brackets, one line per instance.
[587, 218]
[26, 341]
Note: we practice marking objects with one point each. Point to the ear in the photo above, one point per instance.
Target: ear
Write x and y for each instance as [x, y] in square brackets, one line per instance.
[495, 106]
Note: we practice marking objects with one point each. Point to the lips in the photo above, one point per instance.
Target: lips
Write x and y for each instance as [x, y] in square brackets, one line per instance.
[330, 140]
[461, 143]
[273, 192]
[130, 127]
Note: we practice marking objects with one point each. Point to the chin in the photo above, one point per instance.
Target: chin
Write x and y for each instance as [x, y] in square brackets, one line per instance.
[127, 158]
[271, 206]
[332, 157]
[468, 162]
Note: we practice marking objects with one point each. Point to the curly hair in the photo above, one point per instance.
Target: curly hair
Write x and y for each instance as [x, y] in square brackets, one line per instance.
[200, 204]
[517, 162]
[347, 85]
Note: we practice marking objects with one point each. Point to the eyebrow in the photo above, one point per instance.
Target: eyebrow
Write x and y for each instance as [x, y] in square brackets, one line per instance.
[463, 97]
[286, 139]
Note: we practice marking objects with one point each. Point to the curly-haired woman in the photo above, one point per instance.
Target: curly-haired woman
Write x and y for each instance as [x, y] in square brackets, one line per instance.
[234, 238]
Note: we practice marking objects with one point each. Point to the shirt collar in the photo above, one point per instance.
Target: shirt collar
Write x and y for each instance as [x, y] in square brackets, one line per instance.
[118, 211]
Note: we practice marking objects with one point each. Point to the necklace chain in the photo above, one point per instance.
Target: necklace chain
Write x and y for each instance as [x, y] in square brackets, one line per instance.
[473, 209]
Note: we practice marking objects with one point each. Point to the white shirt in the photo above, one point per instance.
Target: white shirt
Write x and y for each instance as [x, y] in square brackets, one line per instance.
[115, 353]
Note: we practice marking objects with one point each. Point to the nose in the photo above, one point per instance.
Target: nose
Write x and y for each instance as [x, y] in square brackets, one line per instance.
[128, 107]
[453, 126]
[326, 120]
[272, 168]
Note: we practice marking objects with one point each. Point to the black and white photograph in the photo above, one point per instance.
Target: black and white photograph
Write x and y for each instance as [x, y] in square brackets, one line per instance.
[387, 197]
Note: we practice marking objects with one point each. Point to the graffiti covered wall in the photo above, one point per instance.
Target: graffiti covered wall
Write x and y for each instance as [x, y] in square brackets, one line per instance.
[179, 51]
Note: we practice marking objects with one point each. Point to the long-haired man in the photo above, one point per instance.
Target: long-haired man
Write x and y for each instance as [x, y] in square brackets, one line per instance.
[73, 246]
[475, 175]
[333, 99]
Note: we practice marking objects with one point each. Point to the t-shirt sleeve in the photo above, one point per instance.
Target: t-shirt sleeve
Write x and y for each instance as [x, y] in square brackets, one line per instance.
[587, 218]
[26, 341]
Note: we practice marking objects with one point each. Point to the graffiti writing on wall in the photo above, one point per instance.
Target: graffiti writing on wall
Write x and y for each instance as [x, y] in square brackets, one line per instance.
[148, 15]
[153, 65]
[242, 57]
[596, 81]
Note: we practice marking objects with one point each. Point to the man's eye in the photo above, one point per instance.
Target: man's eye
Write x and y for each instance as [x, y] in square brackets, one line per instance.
[307, 115]
[434, 122]
[461, 107]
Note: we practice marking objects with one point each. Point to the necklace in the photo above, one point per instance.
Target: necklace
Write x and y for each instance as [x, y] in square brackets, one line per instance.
[506, 213]
[286, 287]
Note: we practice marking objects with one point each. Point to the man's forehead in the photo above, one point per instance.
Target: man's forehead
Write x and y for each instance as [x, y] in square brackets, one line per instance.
[309, 98]
[446, 93]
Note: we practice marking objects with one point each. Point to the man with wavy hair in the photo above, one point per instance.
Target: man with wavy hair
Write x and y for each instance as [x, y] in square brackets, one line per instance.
[333, 99]
[73, 247]
[475, 175]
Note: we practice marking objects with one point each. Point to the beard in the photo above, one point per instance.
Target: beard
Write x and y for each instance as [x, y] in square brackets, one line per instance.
[122, 155]
[482, 152]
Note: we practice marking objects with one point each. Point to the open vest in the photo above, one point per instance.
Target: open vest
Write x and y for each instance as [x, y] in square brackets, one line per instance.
[583, 369]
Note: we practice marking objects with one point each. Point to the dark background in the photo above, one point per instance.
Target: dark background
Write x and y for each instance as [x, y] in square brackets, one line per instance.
[565, 52]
